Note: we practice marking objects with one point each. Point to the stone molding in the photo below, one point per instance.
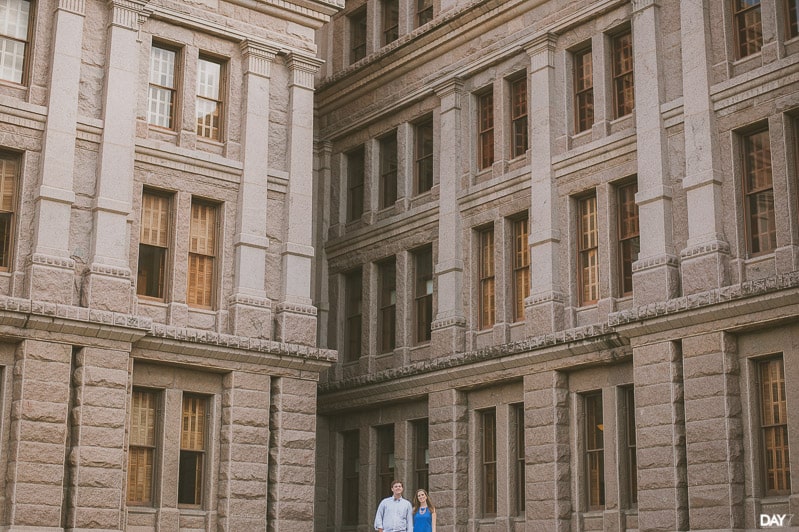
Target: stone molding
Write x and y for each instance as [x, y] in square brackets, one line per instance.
[547, 297]
[640, 5]
[542, 51]
[51, 260]
[295, 308]
[258, 58]
[110, 271]
[127, 13]
[451, 90]
[444, 323]
[78, 7]
[706, 248]
[655, 262]
[303, 69]
[252, 301]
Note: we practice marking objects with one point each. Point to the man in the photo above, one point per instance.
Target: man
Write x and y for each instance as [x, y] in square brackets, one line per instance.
[394, 513]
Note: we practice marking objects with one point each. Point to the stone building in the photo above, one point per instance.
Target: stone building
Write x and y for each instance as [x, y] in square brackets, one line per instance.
[158, 359]
[560, 262]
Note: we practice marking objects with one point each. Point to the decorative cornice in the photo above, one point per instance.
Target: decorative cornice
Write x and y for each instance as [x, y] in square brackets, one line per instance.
[51, 260]
[78, 7]
[110, 271]
[542, 51]
[546, 297]
[127, 13]
[295, 308]
[706, 248]
[303, 69]
[252, 301]
[258, 58]
[444, 323]
[655, 262]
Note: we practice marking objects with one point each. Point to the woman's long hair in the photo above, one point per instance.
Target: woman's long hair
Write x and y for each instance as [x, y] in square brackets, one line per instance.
[416, 501]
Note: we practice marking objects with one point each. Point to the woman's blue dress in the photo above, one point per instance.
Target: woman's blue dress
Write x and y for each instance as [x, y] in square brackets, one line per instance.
[423, 522]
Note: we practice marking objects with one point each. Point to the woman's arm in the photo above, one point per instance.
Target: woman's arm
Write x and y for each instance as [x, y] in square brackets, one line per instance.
[433, 516]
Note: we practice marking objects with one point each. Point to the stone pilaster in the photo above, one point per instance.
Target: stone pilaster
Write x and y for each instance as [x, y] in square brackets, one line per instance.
[322, 204]
[655, 273]
[705, 259]
[244, 451]
[449, 452]
[449, 325]
[107, 283]
[547, 452]
[660, 420]
[714, 432]
[250, 310]
[292, 460]
[295, 314]
[50, 269]
[97, 442]
[37, 435]
[544, 308]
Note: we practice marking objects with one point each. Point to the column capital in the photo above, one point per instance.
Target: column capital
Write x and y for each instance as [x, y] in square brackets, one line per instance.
[640, 5]
[258, 58]
[541, 50]
[78, 7]
[449, 92]
[128, 14]
[303, 68]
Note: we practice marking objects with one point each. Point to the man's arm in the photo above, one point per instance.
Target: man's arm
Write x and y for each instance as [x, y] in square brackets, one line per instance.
[409, 513]
[379, 517]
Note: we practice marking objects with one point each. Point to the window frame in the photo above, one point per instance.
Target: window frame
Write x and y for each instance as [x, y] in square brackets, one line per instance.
[164, 270]
[219, 101]
[739, 14]
[353, 315]
[750, 193]
[519, 134]
[519, 470]
[423, 167]
[791, 10]
[350, 476]
[488, 462]
[389, 25]
[588, 287]
[201, 476]
[388, 168]
[357, 21]
[629, 234]
[356, 183]
[154, 460]
[387, 306]
[423, 300]
[630, 456]
[386, 459]
[424, 12]
[594, 450]
[763, 426]
[486, 288]
[14, 176]
[520, 264]
[583, 93]
[211, 279]
[485, 129]
[27, 43]
[623, 74]
[421, 452]
[174, 91]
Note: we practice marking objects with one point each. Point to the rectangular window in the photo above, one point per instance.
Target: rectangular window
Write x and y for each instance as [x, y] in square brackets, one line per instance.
[153, 244]
[355, 189]
[623, 81]
[629, 235]
[588, 251]
[209, 98]
[488, 420]
[518, 117]
[792, 19]
[202, 254]
[594, 451]
[774, 427]
[629, 433]
[521, 266]
[357, 35]
[423, 294]
[487, 284]
[192, 450]
[390, 21]
[162, 92]
[9, 175]
[486, 129]
[423, 156]
[519, 472]
[385, 460]
[583, 91]
[141, 447]
[748, 27]
[421, 453]
[759, 193]
[350, 472]
[353, 309]
[424, 12]
[388, 170]
[387, 331]
[14, 39]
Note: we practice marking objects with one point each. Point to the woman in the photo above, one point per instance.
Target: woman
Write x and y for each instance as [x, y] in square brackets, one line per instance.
[424, 513]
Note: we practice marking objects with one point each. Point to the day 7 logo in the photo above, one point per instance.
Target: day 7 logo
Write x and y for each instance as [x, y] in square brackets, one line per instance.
[775, 520]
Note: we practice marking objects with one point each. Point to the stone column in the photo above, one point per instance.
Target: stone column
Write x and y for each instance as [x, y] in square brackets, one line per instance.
[97, 442]
[544, 309]
[321, 274]
[37, 435]
[250, 310]
[51, 270]
[655, 274]
[547, 452]
[660, 420]
[244, 451]
[705, 260]
[449, 453]
[295, 314]
[107, 283]
[714, 432]
[449, 325]
[292, 460]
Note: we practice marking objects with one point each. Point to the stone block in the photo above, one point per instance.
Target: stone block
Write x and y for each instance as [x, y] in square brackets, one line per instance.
[249, 320]
[102, 291]
[53, 284]
[295, 328]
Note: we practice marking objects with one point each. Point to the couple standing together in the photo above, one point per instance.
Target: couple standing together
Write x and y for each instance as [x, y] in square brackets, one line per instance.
[395, 514]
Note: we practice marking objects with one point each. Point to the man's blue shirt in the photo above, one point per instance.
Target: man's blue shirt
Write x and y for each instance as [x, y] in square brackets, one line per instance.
[394, 515]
